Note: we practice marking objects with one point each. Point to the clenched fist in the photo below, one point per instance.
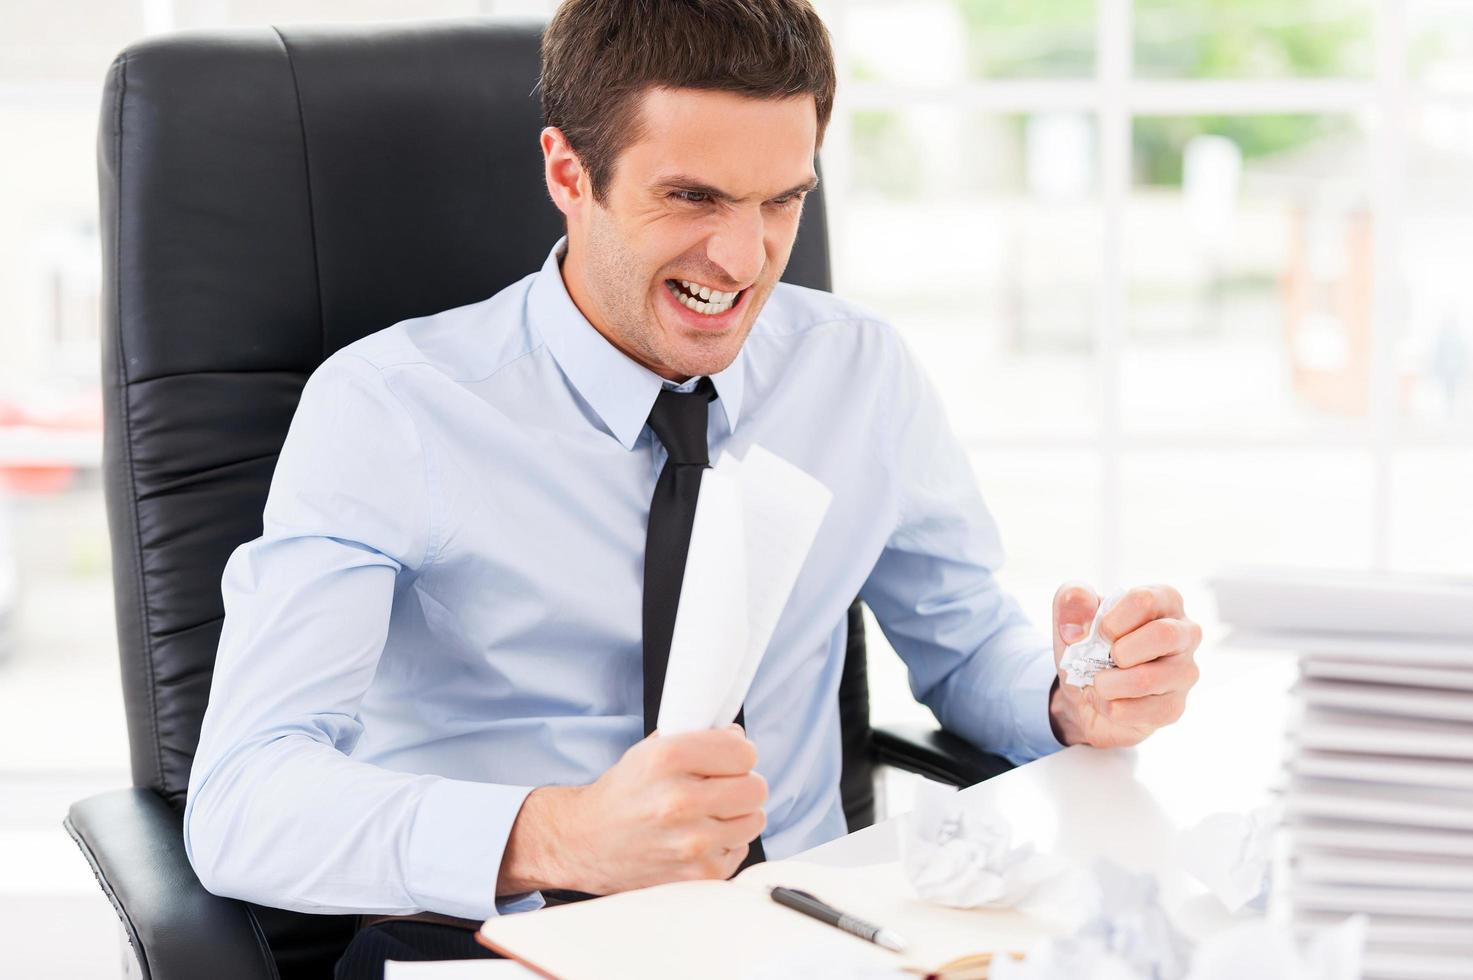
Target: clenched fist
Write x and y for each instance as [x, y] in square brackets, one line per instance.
[1153, 643]
[674, 807]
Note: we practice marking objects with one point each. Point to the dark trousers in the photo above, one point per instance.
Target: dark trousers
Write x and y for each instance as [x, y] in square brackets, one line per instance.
[371, 947]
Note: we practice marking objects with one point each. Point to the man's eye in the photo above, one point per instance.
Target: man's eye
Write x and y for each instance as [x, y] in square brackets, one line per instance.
[787, 200]
[692, 197]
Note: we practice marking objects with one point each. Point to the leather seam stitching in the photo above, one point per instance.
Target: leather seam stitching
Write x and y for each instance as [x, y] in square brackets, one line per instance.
[311, 211]
[206, 372]
[187, 481]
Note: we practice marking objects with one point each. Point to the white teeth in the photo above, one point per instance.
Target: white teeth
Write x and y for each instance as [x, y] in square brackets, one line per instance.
[718, 302]
[706, 292]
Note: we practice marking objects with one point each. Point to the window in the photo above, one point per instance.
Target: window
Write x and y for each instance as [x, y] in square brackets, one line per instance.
[1189, 274]
[1202, 249]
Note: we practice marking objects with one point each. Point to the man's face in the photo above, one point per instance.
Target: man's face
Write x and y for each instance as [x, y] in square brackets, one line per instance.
[696, 227]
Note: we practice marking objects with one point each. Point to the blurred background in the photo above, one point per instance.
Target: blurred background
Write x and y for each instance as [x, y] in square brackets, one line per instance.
[1191, 275]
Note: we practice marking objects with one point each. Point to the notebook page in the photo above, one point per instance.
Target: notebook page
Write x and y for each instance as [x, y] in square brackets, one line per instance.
[710, 929]
[727, 930]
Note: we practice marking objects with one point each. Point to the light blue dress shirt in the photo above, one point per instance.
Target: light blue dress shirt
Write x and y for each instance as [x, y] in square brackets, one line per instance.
[444, 607]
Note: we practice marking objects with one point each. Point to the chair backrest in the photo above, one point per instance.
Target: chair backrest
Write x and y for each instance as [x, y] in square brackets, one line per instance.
[269, 196]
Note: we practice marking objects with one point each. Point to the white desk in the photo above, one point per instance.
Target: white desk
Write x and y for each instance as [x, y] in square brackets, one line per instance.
[1129, 805]
[1125, 804]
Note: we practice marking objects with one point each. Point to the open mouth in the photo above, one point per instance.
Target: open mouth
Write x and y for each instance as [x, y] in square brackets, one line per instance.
[701, 299]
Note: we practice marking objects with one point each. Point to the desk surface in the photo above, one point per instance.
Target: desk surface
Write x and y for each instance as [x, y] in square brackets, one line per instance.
[1225, 754]
[1126, 804]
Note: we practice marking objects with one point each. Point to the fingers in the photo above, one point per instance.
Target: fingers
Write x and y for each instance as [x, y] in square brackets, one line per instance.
[1146, 713]
[1152, 643]
[1161, 676]
[716, 848]
[742, 830]
[1074, 609]
[718, 752]
[1154, 639]
[728, 797]
[1140, 606]
[703, 855]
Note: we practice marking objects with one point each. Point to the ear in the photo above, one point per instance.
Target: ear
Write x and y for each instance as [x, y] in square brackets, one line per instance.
[567, 182]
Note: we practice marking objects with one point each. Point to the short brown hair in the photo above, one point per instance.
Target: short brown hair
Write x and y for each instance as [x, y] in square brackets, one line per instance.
[600, 56]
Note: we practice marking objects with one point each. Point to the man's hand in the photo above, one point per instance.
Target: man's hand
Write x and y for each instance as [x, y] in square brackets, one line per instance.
[674, 807]
[1152, 641]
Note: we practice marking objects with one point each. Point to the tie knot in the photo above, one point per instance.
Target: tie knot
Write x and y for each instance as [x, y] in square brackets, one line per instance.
[679, 422]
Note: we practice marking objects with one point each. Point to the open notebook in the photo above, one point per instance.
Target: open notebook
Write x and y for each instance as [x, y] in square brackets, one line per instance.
[732, 930]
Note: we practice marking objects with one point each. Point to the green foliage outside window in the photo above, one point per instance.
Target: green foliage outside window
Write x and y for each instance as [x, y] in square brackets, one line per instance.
[1253, 38]
[1157, 142]
[886, 160]
[1030, 38]
[1173, 38]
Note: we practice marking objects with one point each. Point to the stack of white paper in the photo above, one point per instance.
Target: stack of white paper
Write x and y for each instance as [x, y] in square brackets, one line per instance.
[1379, 801]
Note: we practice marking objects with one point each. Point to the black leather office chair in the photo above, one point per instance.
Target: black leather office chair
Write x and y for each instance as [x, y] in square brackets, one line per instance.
[268, 197]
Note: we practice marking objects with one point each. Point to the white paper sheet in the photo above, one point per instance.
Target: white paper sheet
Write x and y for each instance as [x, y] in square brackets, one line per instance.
[756, 520]
[1350, 603]
[709, 642]
[782, 508]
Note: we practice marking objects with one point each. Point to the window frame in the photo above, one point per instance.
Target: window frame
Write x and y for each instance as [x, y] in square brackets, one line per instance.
[1114, 97]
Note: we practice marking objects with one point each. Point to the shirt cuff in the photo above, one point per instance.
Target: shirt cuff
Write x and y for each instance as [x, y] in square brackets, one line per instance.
[455, 846]
[1034, 736]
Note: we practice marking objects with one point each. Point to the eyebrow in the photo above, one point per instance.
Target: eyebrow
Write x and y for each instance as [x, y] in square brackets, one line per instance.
[680, 182]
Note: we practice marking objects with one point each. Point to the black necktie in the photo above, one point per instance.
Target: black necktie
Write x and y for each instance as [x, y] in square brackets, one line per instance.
[678, 420]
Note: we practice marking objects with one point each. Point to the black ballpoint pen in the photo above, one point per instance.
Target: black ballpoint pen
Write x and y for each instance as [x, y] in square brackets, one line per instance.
[800, 901]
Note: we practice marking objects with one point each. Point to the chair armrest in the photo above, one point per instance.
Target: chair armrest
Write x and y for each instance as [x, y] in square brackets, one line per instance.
[936, 754]
[135, 844]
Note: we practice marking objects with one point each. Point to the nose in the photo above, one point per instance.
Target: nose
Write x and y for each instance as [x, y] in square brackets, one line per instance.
[739, 246]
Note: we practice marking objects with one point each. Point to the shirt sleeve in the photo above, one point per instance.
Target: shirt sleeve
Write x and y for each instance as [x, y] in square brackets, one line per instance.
[973, 656]
[278, 813]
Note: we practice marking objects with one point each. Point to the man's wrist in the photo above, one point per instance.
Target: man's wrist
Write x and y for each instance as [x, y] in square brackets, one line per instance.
[1062, 716]
[539, 845]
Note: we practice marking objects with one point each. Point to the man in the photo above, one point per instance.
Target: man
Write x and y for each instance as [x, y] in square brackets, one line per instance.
[434, 685]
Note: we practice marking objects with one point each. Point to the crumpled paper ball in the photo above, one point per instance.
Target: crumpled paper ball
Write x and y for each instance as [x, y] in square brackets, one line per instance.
[1232, 854]
[1125, 935]
[1266, 950]
[1130, 922]
[1081, 661]
[1259, 949]
[964, 857]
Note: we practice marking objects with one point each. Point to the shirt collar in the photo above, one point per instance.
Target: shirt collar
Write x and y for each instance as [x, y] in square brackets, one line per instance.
[620, 390]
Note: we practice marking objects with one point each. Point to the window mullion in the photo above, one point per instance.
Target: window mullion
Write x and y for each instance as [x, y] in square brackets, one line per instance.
[1113, 69]
[1388, 178]
[158, 16]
